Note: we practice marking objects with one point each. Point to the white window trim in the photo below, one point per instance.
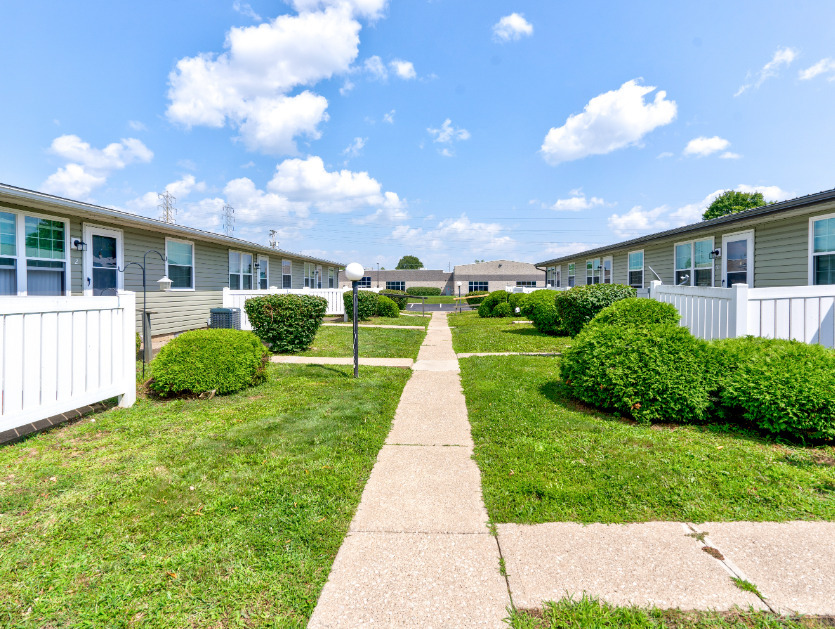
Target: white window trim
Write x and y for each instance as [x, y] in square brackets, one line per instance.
[87, 262]
[331, 277]
[568, 277]
[812, 220]
[260, 258]
[241, 273]
[600, 269]
[20, 247]
[603, 261]
[193, 264]
[283, 274]
[749, 234]
[643, 266]
[693, 260]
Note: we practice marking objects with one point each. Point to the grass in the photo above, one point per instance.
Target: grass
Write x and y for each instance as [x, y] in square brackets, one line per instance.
[413, 321]
[471, 333]
[438, 299]
[187, 513]
[373, 342]
[590, 613]
[545, 458]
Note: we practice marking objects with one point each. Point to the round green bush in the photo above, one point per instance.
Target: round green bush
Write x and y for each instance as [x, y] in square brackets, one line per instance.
[474, 298]
[540, 309]
[503, 309]
[783, 387]
[633, 312]
[395, 296]
[577, 306]
[366, 304]
[653, 373]
[286, 323]
[485, 308]
[424, 291]
[517, 300]
[197, 361]
[386, 307]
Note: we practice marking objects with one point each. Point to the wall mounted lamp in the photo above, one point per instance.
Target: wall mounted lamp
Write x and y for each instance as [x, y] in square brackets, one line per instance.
[79, 245]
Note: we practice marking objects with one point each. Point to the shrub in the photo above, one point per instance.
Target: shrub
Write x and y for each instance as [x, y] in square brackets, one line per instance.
[138, 342]
[782, 387]
[394, 295]
[653, 373]
[633, 312]
[475, 297]
[386, 307]
[286, 323]
[486, 307]
[424, 291]
[577, 306]
[516, 300]
[366, 304]
[209, 360]
[540, 309]
[503, 309]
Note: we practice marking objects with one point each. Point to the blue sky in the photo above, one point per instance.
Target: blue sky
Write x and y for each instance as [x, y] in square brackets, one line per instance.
[363, 130]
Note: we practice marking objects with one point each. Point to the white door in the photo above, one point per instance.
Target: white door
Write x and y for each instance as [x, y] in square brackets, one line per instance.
[738, 259]
[102, 259]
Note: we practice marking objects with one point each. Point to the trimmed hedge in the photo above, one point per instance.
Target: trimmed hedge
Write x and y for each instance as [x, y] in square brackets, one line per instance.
[503, 309]
[366, 304]
[474, 298]
[653, 373]
[386, 307]
[394, 295]
[633, 312]
[516, 300]
[424, 291]
[577, 306]
[197, 361]
[286, 323]
[488, 305]
[540, 308]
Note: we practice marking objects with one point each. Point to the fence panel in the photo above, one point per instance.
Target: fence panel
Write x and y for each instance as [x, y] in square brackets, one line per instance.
[707, 312]
[62, 353]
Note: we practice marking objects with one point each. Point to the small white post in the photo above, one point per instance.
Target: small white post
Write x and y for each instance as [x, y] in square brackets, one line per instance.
[227, 297]
[653, 286]
[739, 311]
[127, 303]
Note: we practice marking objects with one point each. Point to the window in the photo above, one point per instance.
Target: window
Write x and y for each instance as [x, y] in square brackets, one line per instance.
[318, 277]
[822, 246]
[636, 269]
[526, 284]
[396, 286]
[551, 276]
[180, 265]
[309, 275]
[607, 270]
[571, 275]
[331, 278]
[365, 282]
[8, 254]
[693, 265]
[263, 272]
[286, 274]
[593, 268]
[240, 271]
[475, 286]
[45, 242]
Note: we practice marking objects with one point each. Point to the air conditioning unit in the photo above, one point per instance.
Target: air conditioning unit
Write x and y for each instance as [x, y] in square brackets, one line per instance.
[228, 318]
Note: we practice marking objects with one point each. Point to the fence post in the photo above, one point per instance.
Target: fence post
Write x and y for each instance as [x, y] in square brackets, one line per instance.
[653, 286]
[127, 302]
[739, 308]
[227, 298]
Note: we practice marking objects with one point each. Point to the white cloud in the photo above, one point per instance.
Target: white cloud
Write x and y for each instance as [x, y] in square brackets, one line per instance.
[355, 147]
[782, 57]
[246, 10]
[664, 155]
[511, 28]
[577, 202]
[567, 249]
[447, 134]
[486, 239]
[404, 69]
[88, 167]
[248, 85]
[825, 66]
[638, 221]
[389, 117]
[609, 122]
[148, 203]
[347, 86]
[730, 155]
[703, 146]
[370, 9]
[770, 193]
[376, 68]
[136, 125]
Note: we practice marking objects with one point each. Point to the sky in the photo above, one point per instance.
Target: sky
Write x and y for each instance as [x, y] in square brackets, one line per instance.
[365, 130]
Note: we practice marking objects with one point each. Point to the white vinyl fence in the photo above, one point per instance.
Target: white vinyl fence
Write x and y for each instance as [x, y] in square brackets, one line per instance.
[61, 353]
[802, 313]
[237, 298]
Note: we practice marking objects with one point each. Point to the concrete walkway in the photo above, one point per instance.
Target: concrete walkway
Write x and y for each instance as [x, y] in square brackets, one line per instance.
[418, 552]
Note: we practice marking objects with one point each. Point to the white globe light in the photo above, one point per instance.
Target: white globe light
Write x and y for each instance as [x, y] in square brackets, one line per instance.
[354, 271]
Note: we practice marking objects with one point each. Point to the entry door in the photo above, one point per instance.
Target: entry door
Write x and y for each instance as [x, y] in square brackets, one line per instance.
[738, 259]
[101, 261]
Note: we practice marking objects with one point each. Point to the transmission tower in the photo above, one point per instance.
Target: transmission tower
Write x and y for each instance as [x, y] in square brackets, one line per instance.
[168, 213]
[273, 241]
[228, 220]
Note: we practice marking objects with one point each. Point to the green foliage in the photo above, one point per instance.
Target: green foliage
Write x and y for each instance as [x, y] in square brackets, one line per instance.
[424, 291]
[653, 373]
[516, 300]
[486, 307]
[731, 202]
[386, 307]
[394, 295]
[475, 297]
[782, 387]
[286, 323]
[209, 360]
[409, 262]
[540, 308]
[138, 342]
[579, 305]
[366, 304]
[503, 309]
[633, 312]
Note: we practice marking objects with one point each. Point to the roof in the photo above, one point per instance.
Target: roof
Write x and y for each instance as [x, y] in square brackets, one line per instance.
[22, 195]
[763, 210]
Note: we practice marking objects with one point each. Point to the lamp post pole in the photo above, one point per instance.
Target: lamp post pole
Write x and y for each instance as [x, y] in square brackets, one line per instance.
[354, 272]
[459, 296]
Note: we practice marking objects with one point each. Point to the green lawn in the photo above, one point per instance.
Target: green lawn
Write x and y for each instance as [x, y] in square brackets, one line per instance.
[403, 320]
[589, 613]
[471, 333]
[190, 513]
[439, 299]
[373, 342]
[545, 458]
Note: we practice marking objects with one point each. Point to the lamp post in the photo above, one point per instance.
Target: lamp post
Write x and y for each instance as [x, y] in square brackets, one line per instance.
[165, 286]
[459, 295]
[354, 273]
